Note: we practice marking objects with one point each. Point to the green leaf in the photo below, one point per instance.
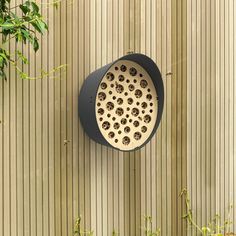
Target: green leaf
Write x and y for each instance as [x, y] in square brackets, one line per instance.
[35, 7]
[22, 57]
[25, 9]
[35, 44]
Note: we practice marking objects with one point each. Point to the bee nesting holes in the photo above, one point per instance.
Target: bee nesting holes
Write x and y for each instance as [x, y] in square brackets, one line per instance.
[135, 112]
[116, 125]
[119, 111]
[143, 83]
[144, 129]
[127, 129]
[121, 78]
[123, 68]
[120, 101]
[138, 93]
[111, 135]
[126, 140]
[103, 85]
[110, 76]
[144, 105]
[147, 119]
[110, 106]
[131, 87]
[133, 71]
[119, 88]
[137, 135]
[130, 101]
[123, 121]
[100, 111]
[125, 105]
[149, 97]
[101, 96]
[106, 125]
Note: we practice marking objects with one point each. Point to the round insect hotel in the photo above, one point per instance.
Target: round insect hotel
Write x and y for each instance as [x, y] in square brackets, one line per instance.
[121, 104]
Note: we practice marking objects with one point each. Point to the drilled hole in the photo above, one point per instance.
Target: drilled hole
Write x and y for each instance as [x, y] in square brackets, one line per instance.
[108, 115]
[101, 119]
[144, 129]
[119, 88]
[110, 92]
[119, 132]
[127, 81]
[138, 93]
[130, 101]
[116, 68]
[131, 87]
[149, 90]
[123, 68]
[149, 97]
[144, 105]
[116, 140]
[151, 111]
[110, 106]
[100, 111]
[121, 78]
[98, 104]
[135, 112]
[127, 129]
[141, 75]
[111, 135]
[135, 81]
[120, 101]
[143, 83]
[126, 94]
[130, 120]
[101, 96]
[103, 85]
[126, 140]
[110, 76]
[119, 111]
[133, 71]
[113, 118]
[106, 125]
[151, 104]
[147, 118]
[137, 135]
[127, 116]
[136, 123]
[112, 85]
[143, 111]
[123, 121]
[114, 97]
[116, 125]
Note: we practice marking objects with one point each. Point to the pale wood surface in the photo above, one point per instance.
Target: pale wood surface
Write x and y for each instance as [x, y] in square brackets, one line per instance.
[210, 110]
[50, 172]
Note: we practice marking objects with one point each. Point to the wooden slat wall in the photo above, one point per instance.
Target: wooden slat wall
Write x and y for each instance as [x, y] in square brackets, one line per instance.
[211, 108]
[50, 171]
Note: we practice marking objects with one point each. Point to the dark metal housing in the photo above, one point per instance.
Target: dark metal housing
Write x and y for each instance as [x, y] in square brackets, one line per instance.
[88, 94]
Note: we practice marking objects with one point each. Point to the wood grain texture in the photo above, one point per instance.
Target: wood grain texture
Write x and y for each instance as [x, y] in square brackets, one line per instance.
[51, 172]
[210, 110]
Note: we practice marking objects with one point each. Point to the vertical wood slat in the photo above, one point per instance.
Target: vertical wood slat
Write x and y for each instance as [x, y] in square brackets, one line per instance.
[52, 183]
[178, 113]
[214, 177]
[46, 201]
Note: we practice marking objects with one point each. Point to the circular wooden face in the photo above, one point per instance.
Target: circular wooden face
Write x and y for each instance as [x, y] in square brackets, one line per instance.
[126, 105]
